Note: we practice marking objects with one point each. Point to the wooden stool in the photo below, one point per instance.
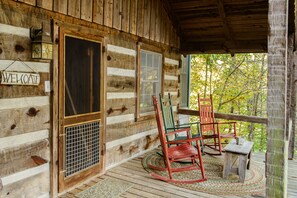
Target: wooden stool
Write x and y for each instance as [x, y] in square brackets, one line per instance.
[242, 153]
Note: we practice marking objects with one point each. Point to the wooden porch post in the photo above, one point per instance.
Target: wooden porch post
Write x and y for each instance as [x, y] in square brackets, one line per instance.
[277, 146]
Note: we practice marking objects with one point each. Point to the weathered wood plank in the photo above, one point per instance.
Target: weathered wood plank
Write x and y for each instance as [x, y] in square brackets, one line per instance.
[152, 29]
[125, 151]
[128, 129]
[24, 66]
[34, 186]
[146, 21]
[121, 50]
[113, 71]
[19, 158]
[60, 6]
[45, 4]
[158, 15]
[25, 138]
[26, 102]
[15, 47]
[74, 8]
[18, 122]
[30, 2]
[140, 18]
[108, 12]
[119, 119]
[98, 11]
[120, 83]
[125, 15]
[120, 106]
[120, 95]
[133, 16]
[117, 60]
[87, 10]
[117, 16]
[253, 119]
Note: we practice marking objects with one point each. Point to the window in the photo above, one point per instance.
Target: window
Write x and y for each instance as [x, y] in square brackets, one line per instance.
[150, 80]
[184, 81]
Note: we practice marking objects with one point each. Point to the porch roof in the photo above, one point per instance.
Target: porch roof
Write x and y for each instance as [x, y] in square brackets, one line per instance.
[221, 26]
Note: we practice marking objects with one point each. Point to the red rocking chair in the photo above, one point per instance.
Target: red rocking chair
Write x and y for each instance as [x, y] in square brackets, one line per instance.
[210, 129]
[179, 150]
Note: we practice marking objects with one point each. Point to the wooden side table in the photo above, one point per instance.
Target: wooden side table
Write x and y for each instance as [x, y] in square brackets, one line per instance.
[242, 153]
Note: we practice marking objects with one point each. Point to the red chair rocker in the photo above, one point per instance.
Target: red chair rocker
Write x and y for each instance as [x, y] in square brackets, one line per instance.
[179, 150]
[212, 132]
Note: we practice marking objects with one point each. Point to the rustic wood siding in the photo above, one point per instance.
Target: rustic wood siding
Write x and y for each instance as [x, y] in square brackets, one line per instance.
[276, 101]
[144, 18]
[24, 137]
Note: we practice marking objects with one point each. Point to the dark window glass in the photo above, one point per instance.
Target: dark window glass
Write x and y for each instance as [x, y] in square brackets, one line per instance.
[82, 76]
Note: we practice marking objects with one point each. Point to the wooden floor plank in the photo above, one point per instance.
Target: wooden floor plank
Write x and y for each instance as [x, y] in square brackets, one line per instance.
[144, 186]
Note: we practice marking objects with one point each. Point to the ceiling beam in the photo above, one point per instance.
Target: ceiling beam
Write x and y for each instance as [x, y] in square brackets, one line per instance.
[229, 37]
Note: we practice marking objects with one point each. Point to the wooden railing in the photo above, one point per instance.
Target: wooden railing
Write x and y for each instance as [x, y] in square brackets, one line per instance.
[253, 119]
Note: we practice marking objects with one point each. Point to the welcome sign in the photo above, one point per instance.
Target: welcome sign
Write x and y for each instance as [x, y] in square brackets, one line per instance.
[19, 78]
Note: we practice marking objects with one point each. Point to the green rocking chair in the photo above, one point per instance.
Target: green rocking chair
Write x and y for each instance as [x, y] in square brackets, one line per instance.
[170, 125]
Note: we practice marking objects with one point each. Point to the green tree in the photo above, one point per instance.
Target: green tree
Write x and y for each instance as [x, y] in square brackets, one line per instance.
[238, 85]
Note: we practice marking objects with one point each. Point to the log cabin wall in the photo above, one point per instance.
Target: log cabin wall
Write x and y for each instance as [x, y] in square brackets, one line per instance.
[27, 146]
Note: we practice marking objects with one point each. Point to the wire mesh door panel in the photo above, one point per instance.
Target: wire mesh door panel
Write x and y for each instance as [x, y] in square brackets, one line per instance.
[82, 148]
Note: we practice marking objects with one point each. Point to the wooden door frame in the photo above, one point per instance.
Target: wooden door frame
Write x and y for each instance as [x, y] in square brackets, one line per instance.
[59, 30]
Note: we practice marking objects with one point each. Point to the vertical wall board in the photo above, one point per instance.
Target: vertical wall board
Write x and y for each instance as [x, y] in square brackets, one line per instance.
[167, 34]
[147, 16]
[74, 8]
[158, 18]
[86, 10]
[133, 17]
[98, 12]
[117, 7]
[162, 26]
[30, 2]
[140, 15]
[152, 29]
[108, 12]
[45, 4]
[125, 15]
[60, 6]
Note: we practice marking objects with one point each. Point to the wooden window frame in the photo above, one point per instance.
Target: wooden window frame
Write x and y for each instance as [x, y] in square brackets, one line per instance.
[140, 46]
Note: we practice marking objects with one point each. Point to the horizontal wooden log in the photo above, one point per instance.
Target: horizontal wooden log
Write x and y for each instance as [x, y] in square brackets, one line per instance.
[252, 119]
[121, 61]
[170, 85]
[33, 182]
[120, 84]
[19, 158]
[120, 106]
[120, 95]
[121, 50]
[14, 46]
[113, 71]
[171, 61]
[26, 138]
[18, 31]
[170, 77]
[128, 128]
[170, 70]
[123, 152]
[120, 118]
[18, 91]
[24, 66]
[22, 120]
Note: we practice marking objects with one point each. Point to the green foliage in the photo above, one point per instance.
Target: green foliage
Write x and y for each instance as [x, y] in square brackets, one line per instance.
[238, 85]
